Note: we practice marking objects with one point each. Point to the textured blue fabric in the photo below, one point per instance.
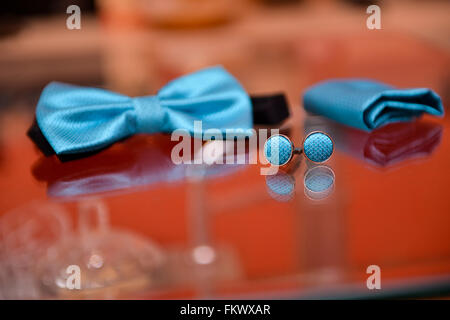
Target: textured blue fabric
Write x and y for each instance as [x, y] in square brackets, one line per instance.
[77, 119]
[367, 105]
[318, 147]
[278, 150]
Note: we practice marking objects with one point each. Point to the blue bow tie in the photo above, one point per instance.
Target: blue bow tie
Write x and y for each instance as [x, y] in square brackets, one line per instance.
[78, 119]
[367, 105]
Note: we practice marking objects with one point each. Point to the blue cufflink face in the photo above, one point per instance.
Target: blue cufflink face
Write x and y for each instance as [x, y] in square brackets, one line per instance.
[278, 150]
[318, 147]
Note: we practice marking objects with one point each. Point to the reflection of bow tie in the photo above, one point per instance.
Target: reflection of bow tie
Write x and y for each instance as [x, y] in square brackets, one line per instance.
[138, 162]
[78, 119]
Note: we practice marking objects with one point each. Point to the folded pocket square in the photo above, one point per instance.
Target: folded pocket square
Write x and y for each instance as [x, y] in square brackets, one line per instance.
[367, 105]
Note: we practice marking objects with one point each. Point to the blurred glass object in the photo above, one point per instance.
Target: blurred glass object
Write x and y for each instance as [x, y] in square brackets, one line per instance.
[112, 262]
[37, 247]
[26, 234]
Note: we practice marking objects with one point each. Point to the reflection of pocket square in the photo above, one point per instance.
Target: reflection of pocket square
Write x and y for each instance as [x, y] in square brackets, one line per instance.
[402, 141]
[383, 147]
[368, 104]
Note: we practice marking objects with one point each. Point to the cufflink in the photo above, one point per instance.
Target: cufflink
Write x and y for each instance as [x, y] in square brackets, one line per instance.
[317, 147]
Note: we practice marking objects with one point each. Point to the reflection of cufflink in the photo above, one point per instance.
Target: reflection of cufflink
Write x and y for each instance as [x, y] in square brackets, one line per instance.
[319, 182]
[281, 186]
[317, 147]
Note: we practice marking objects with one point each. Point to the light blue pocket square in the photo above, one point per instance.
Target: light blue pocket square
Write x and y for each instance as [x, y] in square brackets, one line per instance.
[367, 104]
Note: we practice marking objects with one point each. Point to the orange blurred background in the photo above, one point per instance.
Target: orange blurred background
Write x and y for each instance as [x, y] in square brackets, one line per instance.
[255, 246]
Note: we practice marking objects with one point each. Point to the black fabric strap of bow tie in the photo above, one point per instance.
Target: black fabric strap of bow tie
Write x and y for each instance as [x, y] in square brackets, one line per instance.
[267, 110]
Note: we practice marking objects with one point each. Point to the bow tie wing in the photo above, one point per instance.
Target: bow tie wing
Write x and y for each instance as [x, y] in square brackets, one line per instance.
[77, 119]
[212, 96]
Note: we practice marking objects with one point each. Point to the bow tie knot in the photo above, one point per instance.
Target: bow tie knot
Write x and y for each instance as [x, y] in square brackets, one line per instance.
[150, 115]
